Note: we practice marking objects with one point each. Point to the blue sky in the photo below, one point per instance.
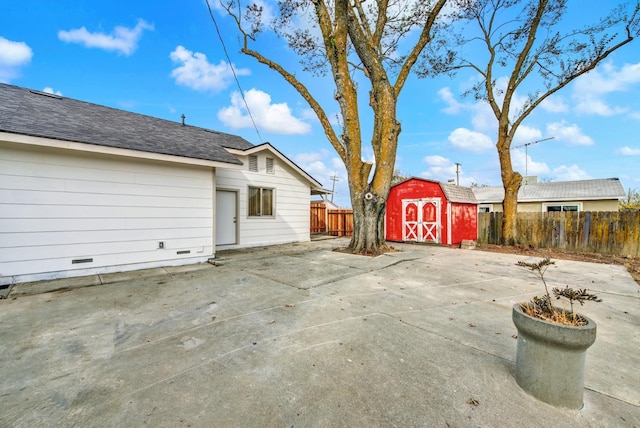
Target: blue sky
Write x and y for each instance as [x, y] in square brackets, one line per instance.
[164, 59]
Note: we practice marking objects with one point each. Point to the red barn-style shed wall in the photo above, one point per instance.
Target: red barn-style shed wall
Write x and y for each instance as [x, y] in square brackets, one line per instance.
[458, 218]
[464, 218]
[412, 188]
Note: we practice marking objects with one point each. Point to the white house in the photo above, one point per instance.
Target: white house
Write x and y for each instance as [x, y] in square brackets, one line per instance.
[88, 189]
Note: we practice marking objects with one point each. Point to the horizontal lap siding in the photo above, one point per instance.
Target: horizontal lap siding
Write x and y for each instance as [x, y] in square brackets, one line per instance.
[61, 205]
[292, 194]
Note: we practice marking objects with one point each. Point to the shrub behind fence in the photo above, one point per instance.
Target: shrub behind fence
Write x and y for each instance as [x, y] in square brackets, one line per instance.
[594, 232]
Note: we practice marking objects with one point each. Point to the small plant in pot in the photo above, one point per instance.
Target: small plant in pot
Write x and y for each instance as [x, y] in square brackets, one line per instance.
[552, 342]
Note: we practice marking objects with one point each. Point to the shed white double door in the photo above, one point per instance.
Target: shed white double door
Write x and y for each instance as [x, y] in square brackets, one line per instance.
[421, 220]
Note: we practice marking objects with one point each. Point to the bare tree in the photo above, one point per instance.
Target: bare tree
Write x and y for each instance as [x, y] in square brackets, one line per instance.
[537, 49]
[358, 42]
[631, 202]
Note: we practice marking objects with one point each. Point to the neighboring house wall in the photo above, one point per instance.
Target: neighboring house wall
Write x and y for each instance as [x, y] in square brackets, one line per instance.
[290, 221]
[601, 206]
[605, 205]
[65, 213]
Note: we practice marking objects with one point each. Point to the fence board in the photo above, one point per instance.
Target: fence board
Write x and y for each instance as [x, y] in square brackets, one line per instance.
[606, 232]
[340, 222]
[318, 218]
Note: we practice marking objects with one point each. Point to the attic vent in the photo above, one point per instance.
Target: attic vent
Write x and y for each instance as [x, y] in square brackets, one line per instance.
[270, 169]
[46, 94]
[77, 261]
[253, 163]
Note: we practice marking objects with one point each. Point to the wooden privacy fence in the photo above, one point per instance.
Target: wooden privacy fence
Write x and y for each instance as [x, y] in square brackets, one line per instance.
[318, 218]
[333, 222]
[593, 232]
[340, 222]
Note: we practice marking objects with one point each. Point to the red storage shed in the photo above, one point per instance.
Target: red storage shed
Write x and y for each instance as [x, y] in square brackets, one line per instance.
[420, 210]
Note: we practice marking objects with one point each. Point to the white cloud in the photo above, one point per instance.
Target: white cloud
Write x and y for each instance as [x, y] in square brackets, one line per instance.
[123, 40]
[554, 104]
[590, 90]
[628, 151]
[570, 173]
[453, 106]
[323, 165]
[439, 168]
[482, 118]
[50, 90]
[465, 139]
[526, 134]
[273, 118]
[13, 55]
[523, 163]
[194, 71]
[591, 104]
[437, 161]
[571, 134]
[308, 158]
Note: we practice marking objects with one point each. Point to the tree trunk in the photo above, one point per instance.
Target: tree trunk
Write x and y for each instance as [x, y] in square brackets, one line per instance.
[511, 182]
[368, 224]
[510, 210]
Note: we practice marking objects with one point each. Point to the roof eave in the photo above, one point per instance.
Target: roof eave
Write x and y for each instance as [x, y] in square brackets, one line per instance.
[94, 148]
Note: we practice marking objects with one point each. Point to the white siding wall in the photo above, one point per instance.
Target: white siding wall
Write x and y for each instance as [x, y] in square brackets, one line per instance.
[57, 206]
[291, 222]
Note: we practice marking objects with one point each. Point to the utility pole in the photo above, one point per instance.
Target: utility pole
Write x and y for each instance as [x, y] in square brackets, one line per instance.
[333, 178]
[526, 156]
[457, 173]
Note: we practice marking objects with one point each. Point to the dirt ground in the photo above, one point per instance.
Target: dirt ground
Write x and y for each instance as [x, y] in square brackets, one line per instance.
[631, 263]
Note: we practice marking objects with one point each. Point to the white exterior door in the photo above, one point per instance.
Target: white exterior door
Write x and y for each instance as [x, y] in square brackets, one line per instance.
[226, 217]
[421, 220]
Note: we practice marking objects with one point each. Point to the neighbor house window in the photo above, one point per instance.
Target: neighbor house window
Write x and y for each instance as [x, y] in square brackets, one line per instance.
[561, 208]
[253, 163]
[484, 208]
[270, 169]
[260, 202]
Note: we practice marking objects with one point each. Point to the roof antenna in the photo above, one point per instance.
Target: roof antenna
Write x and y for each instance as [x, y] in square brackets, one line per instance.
[183, 117]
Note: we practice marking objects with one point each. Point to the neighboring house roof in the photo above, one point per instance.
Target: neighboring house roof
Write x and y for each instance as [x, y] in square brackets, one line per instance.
[38, 114]
[597, 189]
[453, 192]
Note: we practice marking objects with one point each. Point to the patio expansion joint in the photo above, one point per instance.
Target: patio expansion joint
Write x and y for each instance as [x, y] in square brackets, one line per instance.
[466, 345]
[611, 397]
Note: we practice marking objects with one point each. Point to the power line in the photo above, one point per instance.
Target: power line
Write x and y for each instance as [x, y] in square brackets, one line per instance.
[235, 76]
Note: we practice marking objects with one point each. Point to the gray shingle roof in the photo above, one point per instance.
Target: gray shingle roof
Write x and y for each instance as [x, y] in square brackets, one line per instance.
[458, 194]
[597, 189]
[34, 113]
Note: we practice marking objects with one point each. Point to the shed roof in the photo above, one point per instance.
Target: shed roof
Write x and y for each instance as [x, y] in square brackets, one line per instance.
[38, 114]
[459, 194]
[453, 192]
[596, 189]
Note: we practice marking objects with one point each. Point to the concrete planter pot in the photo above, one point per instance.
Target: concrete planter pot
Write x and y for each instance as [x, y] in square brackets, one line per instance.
[550, 359]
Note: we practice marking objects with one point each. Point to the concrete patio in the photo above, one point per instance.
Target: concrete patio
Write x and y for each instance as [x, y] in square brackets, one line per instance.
[300, 335]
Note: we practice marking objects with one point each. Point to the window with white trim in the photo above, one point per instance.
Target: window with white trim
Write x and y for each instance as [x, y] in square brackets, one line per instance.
[556, 208]
[260, 202]
[253, 163]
